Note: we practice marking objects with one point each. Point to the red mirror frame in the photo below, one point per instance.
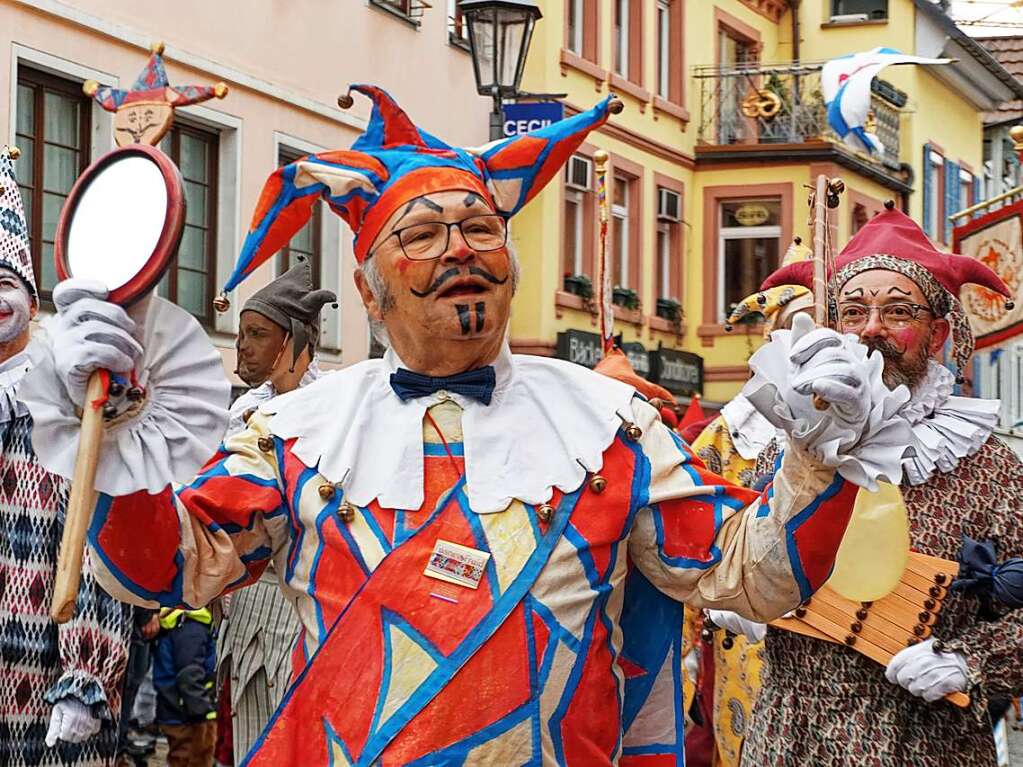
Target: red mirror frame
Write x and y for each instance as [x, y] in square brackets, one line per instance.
[173, 225]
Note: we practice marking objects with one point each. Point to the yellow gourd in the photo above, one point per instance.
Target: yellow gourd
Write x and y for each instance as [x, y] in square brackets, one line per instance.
[873, 553]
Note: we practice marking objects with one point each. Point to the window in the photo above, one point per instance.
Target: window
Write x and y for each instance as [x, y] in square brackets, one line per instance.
[934, 187]
[669, 239]
[664, 49]
[965, 189]
[458, 30]
[734, 52]
[582, 23]
[306, 245]
[628, 40]
[190, 281]
[578, 226]
[870, 9]
[576, 23]
[621, 38]
[52, 131]
[620, 255]
[748, 244]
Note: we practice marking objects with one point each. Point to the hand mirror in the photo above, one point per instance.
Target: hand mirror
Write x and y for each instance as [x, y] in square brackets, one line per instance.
[120, 226]
[122, 222]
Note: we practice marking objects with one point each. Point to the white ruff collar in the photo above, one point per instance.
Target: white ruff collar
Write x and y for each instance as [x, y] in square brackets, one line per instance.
[548, 423]
[11, 372]
[946, 429]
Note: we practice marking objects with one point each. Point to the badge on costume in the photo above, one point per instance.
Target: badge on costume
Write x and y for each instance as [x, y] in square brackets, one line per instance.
[456, 564]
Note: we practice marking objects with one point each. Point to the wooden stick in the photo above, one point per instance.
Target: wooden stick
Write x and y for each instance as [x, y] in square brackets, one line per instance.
[820, 245]
[80, 505]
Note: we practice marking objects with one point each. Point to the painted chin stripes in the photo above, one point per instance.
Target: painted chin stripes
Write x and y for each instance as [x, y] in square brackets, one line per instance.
[465, 319]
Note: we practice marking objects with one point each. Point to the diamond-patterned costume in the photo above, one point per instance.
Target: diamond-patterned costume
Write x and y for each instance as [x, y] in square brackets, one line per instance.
[41, 662]
[567, 653]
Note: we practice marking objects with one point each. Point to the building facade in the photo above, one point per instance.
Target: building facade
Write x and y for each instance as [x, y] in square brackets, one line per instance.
[285, 65]
[723, 131]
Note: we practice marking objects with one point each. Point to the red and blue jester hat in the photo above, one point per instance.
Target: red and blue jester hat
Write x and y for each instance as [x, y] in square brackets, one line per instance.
[394, 162]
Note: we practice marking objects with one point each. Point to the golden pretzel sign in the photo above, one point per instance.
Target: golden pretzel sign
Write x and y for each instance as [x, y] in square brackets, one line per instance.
[762, 104]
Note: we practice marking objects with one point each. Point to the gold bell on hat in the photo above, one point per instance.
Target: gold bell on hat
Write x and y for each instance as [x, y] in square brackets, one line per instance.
[265, 444]
[326, 491]
[597, 483]
[545, 512]
[633, 432]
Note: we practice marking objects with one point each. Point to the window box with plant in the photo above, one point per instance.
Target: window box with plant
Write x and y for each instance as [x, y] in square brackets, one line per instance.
[627, 298]
[669, 309]
[579, 285]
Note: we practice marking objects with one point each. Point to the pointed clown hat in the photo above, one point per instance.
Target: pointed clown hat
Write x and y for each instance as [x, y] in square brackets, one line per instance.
[14, 251]
[152, 86]
[893, 241]
[394, 162]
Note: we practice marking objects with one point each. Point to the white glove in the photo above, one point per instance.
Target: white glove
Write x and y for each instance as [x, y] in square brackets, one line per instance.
[829, 365]
[72, 722]
[90, 334]
[726, 619]
[928, 674]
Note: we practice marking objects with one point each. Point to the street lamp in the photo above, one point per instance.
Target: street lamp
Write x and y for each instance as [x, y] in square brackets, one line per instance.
[499, 35]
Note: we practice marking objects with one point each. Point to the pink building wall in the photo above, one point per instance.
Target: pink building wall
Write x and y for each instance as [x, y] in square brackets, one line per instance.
[286, 61]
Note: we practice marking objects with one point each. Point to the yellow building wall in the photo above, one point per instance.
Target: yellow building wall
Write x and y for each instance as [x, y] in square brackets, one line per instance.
[934, 113]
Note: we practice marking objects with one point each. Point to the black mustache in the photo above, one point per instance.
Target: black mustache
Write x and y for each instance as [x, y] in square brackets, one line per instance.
[885, 348]
[456, 272]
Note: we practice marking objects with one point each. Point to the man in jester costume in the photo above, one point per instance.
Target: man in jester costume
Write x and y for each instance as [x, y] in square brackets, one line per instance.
[822, 703]
[60, 685]
[486, 550]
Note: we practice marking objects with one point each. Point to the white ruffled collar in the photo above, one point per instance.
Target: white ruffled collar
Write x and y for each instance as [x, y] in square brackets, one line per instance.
[946, 428]
[12, 370]
[548, 424]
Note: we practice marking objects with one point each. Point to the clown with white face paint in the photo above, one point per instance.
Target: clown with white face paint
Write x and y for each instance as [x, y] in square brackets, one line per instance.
[488, 552]
[60, 686]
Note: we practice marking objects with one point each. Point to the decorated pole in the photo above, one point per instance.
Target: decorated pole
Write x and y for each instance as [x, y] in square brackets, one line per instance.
[142, 115]
[605, 308]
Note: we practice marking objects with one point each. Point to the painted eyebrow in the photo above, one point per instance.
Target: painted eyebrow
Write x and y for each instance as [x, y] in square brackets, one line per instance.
[420, 201]
[471, 199]
[850, 293]
[903, 292]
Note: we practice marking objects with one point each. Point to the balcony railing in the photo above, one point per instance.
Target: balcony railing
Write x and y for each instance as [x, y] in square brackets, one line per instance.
[782, 104]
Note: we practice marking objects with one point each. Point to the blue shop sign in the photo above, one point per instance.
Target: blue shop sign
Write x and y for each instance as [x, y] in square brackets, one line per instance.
[525, 117]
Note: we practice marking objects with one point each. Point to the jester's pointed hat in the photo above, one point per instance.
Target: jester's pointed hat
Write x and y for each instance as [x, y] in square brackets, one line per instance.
[394, 162]
[14, 252]
[152, 86]
[893, 241]
[292, 302]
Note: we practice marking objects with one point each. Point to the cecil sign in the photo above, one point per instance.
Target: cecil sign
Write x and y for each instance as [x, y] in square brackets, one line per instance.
[522, 118]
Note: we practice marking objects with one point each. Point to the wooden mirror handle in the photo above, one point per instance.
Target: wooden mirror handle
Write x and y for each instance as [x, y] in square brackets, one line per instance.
[81, 503]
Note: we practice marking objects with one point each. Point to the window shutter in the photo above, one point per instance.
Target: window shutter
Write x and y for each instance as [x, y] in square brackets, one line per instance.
[951, 197]
[978, 191]
[927, 181]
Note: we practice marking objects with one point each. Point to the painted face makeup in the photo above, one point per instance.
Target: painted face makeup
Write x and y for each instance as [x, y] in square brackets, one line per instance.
[15, 306]
[904, 345]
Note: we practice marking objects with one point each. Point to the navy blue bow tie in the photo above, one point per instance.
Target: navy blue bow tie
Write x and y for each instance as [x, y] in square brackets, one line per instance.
[478, 384]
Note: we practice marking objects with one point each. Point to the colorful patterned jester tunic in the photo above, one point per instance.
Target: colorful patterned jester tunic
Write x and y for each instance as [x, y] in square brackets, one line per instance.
[554, 639]
[41, 662]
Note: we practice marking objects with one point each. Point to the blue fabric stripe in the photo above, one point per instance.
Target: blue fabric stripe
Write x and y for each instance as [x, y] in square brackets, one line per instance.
[805, 590]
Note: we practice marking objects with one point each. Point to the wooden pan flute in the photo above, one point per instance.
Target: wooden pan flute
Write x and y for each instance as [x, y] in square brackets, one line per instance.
[881, 629]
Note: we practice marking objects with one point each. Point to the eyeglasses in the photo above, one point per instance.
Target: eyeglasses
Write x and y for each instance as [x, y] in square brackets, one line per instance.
[429, 240]
[893, 316]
